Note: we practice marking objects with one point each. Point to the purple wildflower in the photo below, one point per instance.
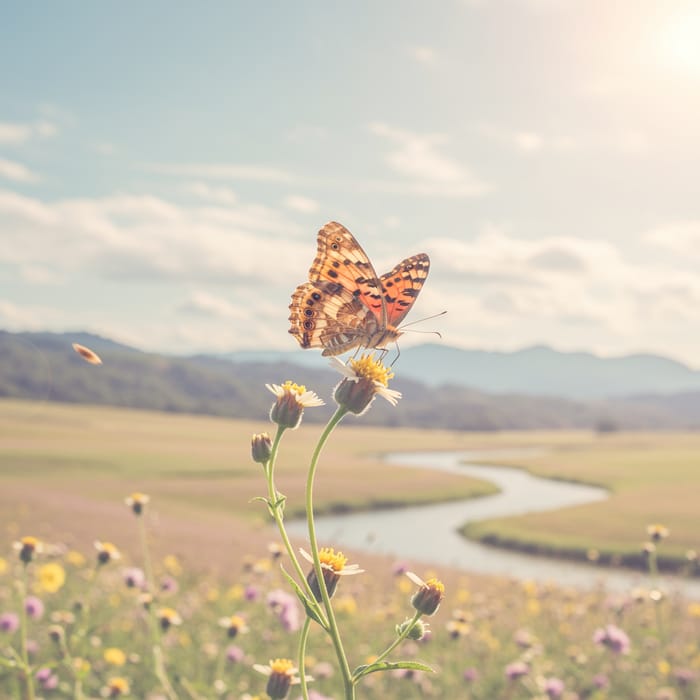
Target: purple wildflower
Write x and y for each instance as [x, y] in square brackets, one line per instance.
[554, 687]
[285, 606]
[9, 622]
[471, 675]
[234, 654]
[251, 593]
[34, 607]
[168, 585]
[612, 637]
[134, 578]
[516, 670]
[601, 681]
[46, 678]
[400, 568]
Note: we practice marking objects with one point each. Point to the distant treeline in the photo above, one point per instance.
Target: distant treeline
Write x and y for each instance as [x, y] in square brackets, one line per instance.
[44, 366]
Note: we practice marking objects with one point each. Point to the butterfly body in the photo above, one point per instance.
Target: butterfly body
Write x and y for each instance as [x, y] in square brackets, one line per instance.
[345, 304]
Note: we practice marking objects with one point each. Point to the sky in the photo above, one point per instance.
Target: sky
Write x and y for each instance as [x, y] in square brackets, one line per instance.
[164, 167]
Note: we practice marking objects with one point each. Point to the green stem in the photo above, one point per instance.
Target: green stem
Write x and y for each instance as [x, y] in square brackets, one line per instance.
[27, 679]
[332, 624]
[147, 568]
[302, 657]
[158, 659]
[399, 639]
[278, 516]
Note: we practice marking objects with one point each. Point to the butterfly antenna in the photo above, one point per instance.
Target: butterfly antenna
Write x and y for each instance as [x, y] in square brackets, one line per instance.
[413, 330]
[420, 320]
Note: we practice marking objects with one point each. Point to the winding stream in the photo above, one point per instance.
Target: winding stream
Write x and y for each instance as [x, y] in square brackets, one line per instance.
[430, 533]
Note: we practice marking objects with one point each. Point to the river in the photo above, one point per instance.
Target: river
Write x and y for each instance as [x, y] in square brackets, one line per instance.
[430, 534]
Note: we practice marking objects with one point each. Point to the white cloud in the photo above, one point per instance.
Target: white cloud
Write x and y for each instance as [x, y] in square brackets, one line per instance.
[17, 172]
[204, 304]
[14, 133]
[575, 292]
[221, 195]
[678, 237]
[224, 171]
[17, 133]
[149, 239]
[427, 171]
[302, 204]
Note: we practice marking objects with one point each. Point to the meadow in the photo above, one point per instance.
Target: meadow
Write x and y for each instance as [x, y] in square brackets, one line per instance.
[66, 470]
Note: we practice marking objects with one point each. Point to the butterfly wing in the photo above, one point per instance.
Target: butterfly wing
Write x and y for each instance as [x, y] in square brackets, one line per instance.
[326, 315]
[344, 304]
[341, 260]
[401, 287]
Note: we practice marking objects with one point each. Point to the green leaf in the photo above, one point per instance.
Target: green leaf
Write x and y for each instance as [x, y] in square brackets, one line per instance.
[366, 669]
[310, 610]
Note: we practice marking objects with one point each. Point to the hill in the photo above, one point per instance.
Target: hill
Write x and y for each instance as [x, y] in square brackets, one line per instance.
[537, 370]
[44, 366]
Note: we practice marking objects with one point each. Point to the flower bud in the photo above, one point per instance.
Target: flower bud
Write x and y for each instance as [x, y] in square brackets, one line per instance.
[417, 630]
[355, 396]
[261, 448]
[429, 596]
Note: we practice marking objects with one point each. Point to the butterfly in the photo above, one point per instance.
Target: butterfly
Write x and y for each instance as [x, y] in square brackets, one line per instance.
[345, 305]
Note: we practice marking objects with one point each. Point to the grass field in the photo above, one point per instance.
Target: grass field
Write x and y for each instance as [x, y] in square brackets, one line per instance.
[65, 470]
[652, 478]
[64, 474]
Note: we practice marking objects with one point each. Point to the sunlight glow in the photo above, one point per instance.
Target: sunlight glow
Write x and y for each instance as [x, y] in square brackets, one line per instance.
[681, 40]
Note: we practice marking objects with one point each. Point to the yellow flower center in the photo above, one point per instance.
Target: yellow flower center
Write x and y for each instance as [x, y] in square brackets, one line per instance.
[369, 368]
[168, 614]
[284, 667]
[137, 497]
[120, 685]
[435, 585]
[293, 388]
[30, 542]
[329, 557]
[235, 621]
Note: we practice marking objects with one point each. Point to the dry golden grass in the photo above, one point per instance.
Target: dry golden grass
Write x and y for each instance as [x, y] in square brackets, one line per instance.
[66, 470]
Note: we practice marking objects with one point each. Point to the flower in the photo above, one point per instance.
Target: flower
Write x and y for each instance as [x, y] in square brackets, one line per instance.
[27, 547]
[471, 675]
[554, 687]
[333, 566]
[261, 448]
[106, 552]
[115, 687]
[612, 637]
[363, 380]
[34, 607]
[114, 656]
[281, 676]
[292, 399]
[516, 670]
[46, 678]
[234, 625]
[51, 577]
[168, 585]
[285, 606]
[172, 565]
[134, 577]
[251, 592]
[137, 502]
[168, 617]
[9, 622]
[657, 531]
[429, 596]
[234, 654]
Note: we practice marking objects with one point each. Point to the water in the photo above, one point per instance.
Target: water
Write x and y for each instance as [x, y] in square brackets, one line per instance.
[430, 533]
